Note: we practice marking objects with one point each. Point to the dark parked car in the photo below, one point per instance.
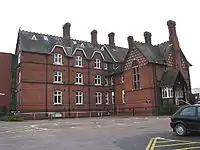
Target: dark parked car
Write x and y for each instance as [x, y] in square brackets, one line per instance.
[186, 119]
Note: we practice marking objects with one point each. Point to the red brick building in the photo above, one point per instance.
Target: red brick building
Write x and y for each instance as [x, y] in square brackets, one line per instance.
[5, 81]
[61, 74]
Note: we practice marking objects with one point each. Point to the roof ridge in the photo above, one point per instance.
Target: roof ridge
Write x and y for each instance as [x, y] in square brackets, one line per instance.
[161, 43]
[116, 46]
[40, 33]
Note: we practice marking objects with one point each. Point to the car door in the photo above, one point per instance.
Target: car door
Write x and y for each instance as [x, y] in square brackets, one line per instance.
[189, 116]
[198, 120]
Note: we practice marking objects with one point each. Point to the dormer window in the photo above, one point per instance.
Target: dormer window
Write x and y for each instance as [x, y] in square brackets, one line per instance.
[102, 49]
[79, 61]
[97, 64]
[82, 45]
[105, 66]
[45, 38]
[57, 59]
[34, 37]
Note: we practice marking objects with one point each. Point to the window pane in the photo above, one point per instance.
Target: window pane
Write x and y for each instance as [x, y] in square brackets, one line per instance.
[189, 111]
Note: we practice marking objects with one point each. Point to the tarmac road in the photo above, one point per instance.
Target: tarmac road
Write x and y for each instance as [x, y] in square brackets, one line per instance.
[107, 133]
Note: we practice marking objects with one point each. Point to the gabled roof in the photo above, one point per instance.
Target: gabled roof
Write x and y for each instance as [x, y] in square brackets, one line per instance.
[169, 77]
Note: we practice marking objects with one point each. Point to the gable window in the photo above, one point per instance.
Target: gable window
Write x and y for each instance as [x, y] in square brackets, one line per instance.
[122, 78]
[97, 64]
[167, 92]
[113, 97]
[57, 77]
[105, 66]
[123, 96]
[97, 80]
[57, 97]
[79, 78]
[79, 97]
[79, 61]
[111, 80]
[107, 98]
[106, 80]
[98, 98]
[57, 59]
[136, 78]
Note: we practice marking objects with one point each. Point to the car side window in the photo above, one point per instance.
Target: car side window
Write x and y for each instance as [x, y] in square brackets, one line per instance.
[198, 111]
[189, 111]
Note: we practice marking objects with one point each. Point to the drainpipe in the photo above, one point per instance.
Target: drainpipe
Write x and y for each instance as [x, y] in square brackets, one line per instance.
[155, 86]
[69, 81]
[89, 84]
[46, 78]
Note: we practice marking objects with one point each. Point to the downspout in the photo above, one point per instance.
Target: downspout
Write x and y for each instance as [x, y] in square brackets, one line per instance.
[155, 86]
[46, 78]
[89, 85]
[69, 81]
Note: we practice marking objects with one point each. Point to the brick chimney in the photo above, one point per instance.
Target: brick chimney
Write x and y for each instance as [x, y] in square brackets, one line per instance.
[94, 37]
[130, 42]
[147, 37]
[174, 40]
[66, 34]
[111, 37]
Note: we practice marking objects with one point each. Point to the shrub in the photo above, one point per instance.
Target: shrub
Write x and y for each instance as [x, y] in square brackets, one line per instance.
[12, 118]
[168, 110]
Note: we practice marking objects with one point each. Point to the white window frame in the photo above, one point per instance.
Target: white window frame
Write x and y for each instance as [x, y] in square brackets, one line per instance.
[79, 97]
[105, 66]
[79, 78]
[122, 78]
[79, 61]
[97, 64]
[123, 96]
[167, 92]
[113, 97]
[107, 98]
[57, 78]
[113, 66]
[106, 81]
[111, 81]
[97, 80]
[57, 59]
[56, 95]
[98, 98]
[19, 77]
[19, 58]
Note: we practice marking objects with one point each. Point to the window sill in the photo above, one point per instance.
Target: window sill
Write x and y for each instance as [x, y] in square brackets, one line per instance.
[97, 68]
[98, 103]
[79, 103]
[57, 104]
[98, 84]
[58, 82]
[78, 83]
[166, 97]
[78, 66]
[58, 64]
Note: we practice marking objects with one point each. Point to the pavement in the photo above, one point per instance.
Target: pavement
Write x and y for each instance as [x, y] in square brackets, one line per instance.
[106, 133]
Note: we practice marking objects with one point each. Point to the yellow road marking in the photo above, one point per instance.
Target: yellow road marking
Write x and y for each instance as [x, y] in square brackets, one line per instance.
[153, 144]
[178, 144]
[149, 144]
[189, 148]
[169, 140]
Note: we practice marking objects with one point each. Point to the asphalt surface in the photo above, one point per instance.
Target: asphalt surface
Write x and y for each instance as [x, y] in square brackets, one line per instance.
[107, 133]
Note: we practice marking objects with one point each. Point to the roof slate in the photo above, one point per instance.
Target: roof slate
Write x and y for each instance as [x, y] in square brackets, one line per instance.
[154, 53]
[169, 77]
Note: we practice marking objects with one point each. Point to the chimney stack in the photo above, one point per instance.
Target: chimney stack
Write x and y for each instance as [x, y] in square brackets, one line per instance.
[94, 37]
[66, 34]
[147, 37]
[172, 29]
[111, 37]
[130, 42]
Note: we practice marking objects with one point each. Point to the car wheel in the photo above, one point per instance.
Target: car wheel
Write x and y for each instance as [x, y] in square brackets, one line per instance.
[180, 129]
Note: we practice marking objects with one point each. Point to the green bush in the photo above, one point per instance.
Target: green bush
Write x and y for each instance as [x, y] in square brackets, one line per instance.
[11, 118]
[168, 110]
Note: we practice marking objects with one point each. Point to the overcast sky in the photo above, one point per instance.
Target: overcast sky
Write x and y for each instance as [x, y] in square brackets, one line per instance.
[124, 17]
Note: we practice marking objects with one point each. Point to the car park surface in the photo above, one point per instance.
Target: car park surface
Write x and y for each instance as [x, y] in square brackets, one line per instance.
[106, 133]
